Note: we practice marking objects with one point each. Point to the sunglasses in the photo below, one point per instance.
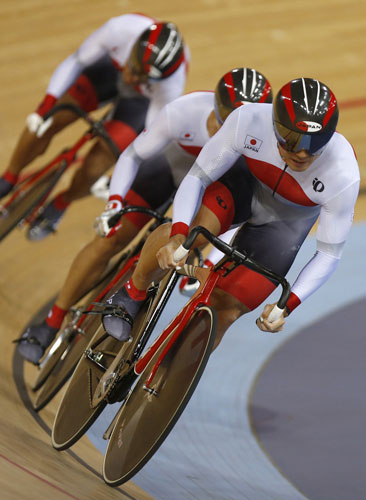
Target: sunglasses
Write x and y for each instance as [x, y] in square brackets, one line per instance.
[293, 142]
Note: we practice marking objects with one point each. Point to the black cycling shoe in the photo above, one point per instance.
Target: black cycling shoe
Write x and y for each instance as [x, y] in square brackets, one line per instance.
[119, 323]
[35, 340]
[5, 187]
[46, 223]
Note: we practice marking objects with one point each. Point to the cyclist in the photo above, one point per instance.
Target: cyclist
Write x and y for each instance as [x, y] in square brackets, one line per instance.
[147, 174]
[133, 61]
[303, 171]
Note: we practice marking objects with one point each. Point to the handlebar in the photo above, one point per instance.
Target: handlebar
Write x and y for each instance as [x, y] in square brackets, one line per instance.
[239, 258]
[97, 127]
[160, 217]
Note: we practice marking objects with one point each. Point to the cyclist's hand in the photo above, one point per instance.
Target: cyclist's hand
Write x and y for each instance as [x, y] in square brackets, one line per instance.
[165, 255]
[267, 326]
[35, 122]
[100, 188]
[101, 224]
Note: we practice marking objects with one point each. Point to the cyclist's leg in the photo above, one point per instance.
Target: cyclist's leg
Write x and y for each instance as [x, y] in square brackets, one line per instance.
[219, 210]
[29, 146]
[155, 186]
[274, 245]
[147, 269]
[85, 270]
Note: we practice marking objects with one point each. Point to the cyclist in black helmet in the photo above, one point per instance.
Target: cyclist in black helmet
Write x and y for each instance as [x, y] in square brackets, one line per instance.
[305, 116]
[135, 62]
[302, 170]
[148, 173]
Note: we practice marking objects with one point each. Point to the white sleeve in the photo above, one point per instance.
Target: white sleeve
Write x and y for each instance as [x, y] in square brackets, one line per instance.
[92, 49]
[216, 158]
[166, 91]
[336, 216]
[148, 144]
[317, 271]
[335, 222]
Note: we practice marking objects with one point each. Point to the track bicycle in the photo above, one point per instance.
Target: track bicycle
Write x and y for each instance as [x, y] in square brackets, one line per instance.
[64, 353]
[26, 202]
[155, 384]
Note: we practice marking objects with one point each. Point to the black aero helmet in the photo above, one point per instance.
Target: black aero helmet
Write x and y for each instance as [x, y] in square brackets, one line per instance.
[158, 52]
[305, 115]
[237, 87]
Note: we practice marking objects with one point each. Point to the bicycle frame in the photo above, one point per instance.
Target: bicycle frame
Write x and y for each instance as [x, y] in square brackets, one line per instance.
[201, 297]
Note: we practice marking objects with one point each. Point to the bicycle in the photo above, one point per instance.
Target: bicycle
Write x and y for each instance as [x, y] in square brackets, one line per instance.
[154, 385]
[65, 351]
[26, 202]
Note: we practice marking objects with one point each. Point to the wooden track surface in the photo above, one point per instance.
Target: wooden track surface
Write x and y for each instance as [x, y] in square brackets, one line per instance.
[283, 39]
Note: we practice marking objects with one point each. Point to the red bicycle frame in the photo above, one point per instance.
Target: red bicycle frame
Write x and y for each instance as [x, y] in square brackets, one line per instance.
[202, 297]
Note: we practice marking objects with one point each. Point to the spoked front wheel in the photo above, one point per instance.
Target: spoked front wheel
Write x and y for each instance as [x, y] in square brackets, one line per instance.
[148, 416]
[26, 201]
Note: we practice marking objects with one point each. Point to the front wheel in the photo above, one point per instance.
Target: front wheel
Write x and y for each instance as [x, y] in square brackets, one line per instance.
[147, 417]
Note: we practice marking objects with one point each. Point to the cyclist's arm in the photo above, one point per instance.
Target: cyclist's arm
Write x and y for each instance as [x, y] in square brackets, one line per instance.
[92, 49]
[164, 92]
[149, 143]
[335, 222]
[216, 158]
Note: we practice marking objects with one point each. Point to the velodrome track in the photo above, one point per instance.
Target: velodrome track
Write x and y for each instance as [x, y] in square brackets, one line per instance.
[213, 452]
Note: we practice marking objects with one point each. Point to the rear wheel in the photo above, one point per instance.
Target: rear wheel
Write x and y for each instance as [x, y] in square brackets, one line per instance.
[62, 363]
[148, 416]
[68, 347]
[76, 413]
[23, 205]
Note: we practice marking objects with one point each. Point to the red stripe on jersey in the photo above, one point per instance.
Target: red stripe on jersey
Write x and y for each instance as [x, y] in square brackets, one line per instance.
[288, 188]
[332, 106]
[286, 93]
[192, 150]
[154, 35]
[266, 91]
[230, 87]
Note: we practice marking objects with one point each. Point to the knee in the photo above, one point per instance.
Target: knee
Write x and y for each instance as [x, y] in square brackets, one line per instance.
[105, 248]
[228, 309]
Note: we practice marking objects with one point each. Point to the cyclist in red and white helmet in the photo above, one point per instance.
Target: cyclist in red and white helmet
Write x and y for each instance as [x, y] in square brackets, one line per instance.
[147, 174]
[135, 62]
[305, 172]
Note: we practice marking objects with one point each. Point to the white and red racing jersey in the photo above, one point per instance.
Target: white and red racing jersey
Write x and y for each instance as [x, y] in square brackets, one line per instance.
[330, 186]
[179, 131]
[116, 39]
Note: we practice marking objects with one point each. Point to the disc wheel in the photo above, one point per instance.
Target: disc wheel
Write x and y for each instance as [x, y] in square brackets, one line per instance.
[147, 417]
[27, 201]
[76, 413]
